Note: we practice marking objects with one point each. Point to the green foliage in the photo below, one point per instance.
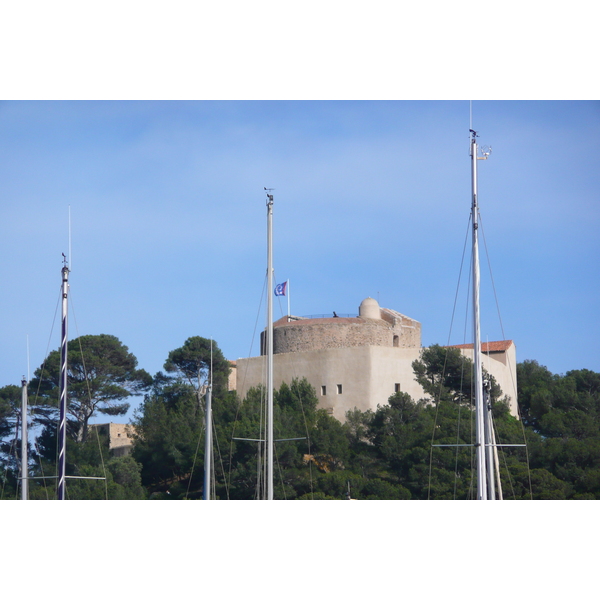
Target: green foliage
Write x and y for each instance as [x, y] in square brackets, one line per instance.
[101, 373]
[394, 452]
[565, 411]
[168, 427]
[169, 440]
[446, 374]
[324, 446]
[10, 442]
[193, 363]
[92, 473]
[10, 406]
[406, 449]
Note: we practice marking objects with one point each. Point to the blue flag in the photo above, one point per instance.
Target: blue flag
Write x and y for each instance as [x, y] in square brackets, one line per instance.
[280, 289]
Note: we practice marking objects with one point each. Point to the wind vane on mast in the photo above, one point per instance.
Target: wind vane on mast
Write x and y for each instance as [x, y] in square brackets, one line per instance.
[484, 152]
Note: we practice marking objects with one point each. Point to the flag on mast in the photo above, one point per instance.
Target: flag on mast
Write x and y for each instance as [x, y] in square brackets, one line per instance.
[282, 289]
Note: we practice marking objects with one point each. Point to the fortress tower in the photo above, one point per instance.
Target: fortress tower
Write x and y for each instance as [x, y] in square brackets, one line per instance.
[352, 362]
[374, 326]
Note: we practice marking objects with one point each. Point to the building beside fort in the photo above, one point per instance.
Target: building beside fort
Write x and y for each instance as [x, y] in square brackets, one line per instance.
[120, 437]
[358, 362]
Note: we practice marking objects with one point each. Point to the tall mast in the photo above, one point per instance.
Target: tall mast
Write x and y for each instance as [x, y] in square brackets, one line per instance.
[270, 346]
[62, 428]
[490, 444]
[477, 374]
[208, 444]
[208, 435]
[24, 467]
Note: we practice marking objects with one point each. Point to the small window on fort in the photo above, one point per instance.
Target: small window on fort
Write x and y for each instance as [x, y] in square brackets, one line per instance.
[323, 390]
[397, 387]
[396, 341]
[339, 388]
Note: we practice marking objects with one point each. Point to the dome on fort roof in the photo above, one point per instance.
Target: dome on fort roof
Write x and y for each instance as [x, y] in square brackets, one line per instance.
[369, 309]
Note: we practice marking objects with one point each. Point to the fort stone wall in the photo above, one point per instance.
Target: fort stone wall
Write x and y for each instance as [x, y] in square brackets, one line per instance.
[358, 362]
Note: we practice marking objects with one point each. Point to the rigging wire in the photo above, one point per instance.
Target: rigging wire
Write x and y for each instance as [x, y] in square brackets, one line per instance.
[280, 471]
[471, 394]
[244, 382]
[202, 406]
[462, 373]
[216, 439]
[437, 402]
[261, 466]
[213, 475]
[296, 392]
[471, 490]
[195, 453]
[491, 277]
[33, 405]
[12, 450]
[505, 463]
[89, 391]
[512, 375]
[310, 462]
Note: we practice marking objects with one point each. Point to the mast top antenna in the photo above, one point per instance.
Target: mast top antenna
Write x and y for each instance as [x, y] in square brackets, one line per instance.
[485, 151]
[269, 196]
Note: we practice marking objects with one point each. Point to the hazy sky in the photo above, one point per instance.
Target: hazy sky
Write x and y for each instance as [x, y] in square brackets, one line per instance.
[168, 220]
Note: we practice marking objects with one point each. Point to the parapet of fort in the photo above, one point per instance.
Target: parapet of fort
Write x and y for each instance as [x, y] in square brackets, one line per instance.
[305, 334]
[358, 361]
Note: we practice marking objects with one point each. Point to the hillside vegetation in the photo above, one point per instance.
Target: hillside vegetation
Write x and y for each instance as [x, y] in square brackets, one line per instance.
[389, 453]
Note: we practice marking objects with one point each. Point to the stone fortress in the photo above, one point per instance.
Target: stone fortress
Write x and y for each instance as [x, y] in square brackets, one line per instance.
[359, 362]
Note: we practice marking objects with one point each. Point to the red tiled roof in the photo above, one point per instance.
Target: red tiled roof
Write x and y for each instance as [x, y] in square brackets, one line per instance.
[502, 346]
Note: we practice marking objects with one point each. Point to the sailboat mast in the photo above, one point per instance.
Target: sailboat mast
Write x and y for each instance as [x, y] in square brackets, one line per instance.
[208, 443]
[477, 374]
[208, 434]
[62, 428]
[490, 447]
[24, 467]
[269, 436]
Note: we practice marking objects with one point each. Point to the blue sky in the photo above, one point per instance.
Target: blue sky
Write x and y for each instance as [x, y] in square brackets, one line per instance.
[167, 200]
[372, 198]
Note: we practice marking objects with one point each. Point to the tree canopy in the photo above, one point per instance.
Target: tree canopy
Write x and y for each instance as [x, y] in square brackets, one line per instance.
[10, 445]
[101, 375]
[193, 361]
[398, 451]
[445, 373]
